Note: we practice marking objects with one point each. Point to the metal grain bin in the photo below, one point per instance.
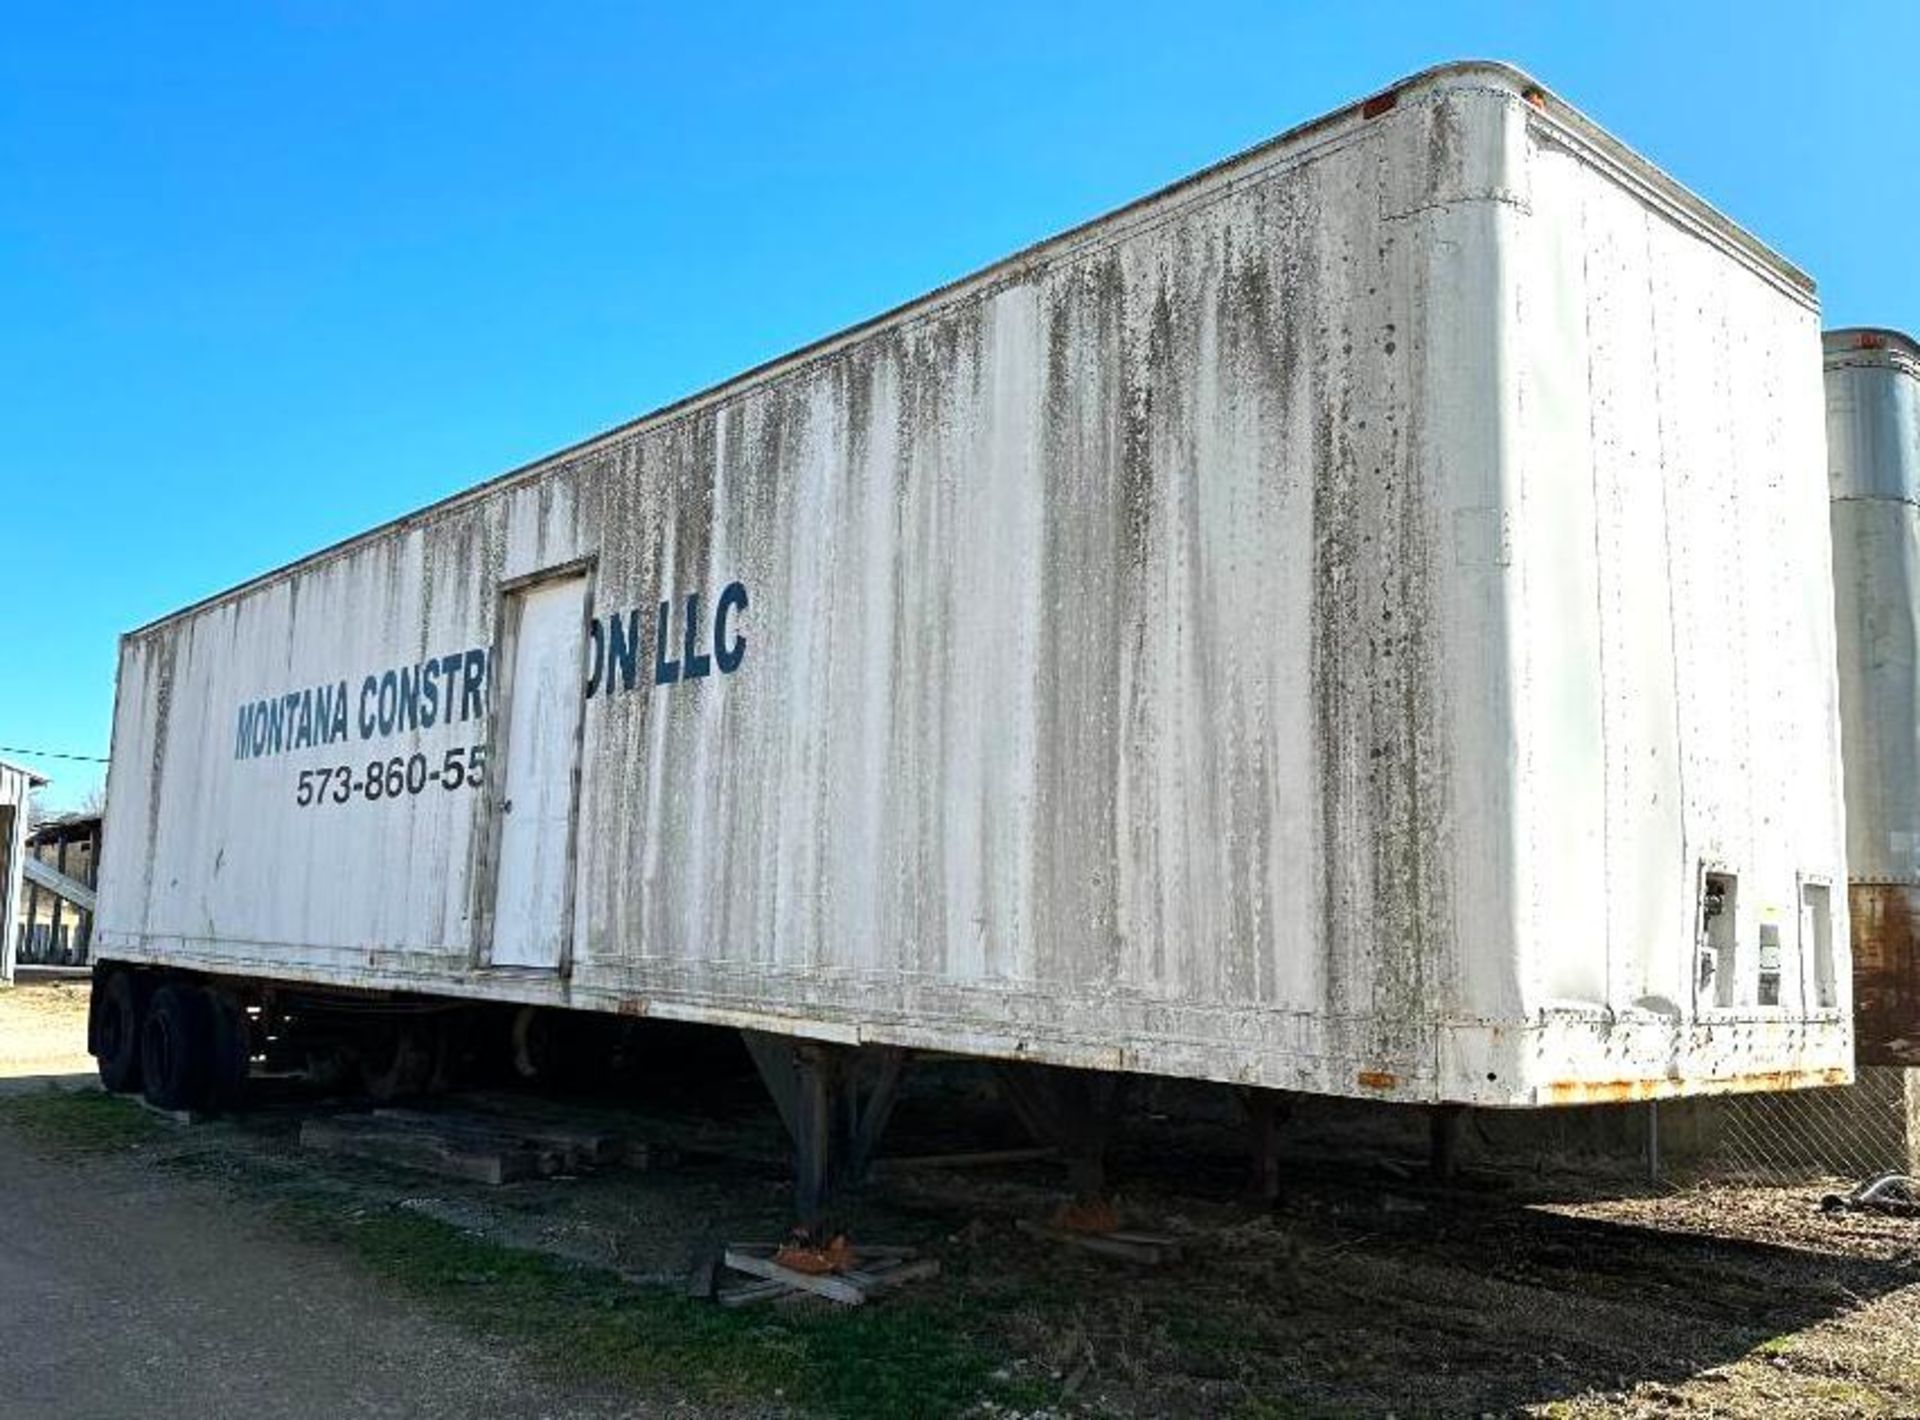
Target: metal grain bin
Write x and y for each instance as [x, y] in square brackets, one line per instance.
[1873, 461]
[1355, 621]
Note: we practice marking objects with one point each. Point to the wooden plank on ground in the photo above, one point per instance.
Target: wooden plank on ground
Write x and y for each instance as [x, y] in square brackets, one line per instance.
[1150, 1249]
[570, 1148]
[606, 1135]
[470, 1134]
[879, 1269]
[386, 1143]
[173, 1116]
[986, 1158]
[587, 1142]
[741, 1259]
[886, 1277]
[759, 1291]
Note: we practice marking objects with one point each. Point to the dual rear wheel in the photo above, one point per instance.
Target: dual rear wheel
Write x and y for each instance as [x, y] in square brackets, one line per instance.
[119, 1005]
[180, 1044]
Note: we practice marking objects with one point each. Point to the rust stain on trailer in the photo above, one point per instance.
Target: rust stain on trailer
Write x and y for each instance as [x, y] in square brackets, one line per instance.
[1886, 974]
[1376, 1080]
[1379, 104]
[1628, 1091]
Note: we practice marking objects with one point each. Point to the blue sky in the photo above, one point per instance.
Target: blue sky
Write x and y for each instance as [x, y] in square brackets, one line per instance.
[272, 273]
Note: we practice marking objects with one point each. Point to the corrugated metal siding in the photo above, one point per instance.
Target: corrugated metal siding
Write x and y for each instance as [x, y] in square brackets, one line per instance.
[1873, 435]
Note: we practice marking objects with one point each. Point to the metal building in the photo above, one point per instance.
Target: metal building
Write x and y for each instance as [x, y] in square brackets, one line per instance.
[1356, 621]
[16, 788]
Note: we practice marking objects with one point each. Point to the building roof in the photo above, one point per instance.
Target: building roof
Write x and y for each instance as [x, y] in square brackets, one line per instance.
[74, 827]
[34, 777]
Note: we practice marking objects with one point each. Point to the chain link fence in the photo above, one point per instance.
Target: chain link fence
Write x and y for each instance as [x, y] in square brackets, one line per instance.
[1853, 1132]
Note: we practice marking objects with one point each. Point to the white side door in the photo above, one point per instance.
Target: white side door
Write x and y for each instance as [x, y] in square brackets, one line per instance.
[543, 656]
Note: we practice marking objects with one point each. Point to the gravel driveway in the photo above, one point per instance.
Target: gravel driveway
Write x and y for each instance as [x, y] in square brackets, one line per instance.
[126, 1294]
[131, 1296]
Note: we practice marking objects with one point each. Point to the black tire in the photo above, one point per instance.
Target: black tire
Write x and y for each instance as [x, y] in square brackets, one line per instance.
[176, 1049]
[399, 1059]
[532, 1045]
[229, 1049]
[114, 1032]
[556, 1048]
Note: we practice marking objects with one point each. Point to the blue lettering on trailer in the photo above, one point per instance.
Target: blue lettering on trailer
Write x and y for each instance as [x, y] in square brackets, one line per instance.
[452, 689]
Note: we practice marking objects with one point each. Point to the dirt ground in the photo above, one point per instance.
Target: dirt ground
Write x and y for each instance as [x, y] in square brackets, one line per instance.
[43, 1030]
[1365, 1290]
[130, 1292]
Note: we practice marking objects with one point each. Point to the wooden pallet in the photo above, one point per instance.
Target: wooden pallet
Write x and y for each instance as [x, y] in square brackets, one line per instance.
[386, 1141]
[482, 1147]
[875, 1270]
[573, 1147]
[603, 1136]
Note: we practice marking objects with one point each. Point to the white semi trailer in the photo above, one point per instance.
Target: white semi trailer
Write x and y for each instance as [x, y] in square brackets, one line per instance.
[1357, 621]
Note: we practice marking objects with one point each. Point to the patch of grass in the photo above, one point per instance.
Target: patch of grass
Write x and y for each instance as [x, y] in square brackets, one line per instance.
[1267, 1407]
[1864, 1399]
[79, 1121]
[912, 1355]
[1214, 1333]
[906, 1357]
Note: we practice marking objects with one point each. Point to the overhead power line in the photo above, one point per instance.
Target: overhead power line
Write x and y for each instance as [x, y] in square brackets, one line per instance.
[52, 754]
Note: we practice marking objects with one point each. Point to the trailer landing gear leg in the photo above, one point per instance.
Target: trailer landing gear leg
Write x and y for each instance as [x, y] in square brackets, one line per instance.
[1074, 1111]
[1443, 1140]
[1267, 1111]
[835, 1101]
